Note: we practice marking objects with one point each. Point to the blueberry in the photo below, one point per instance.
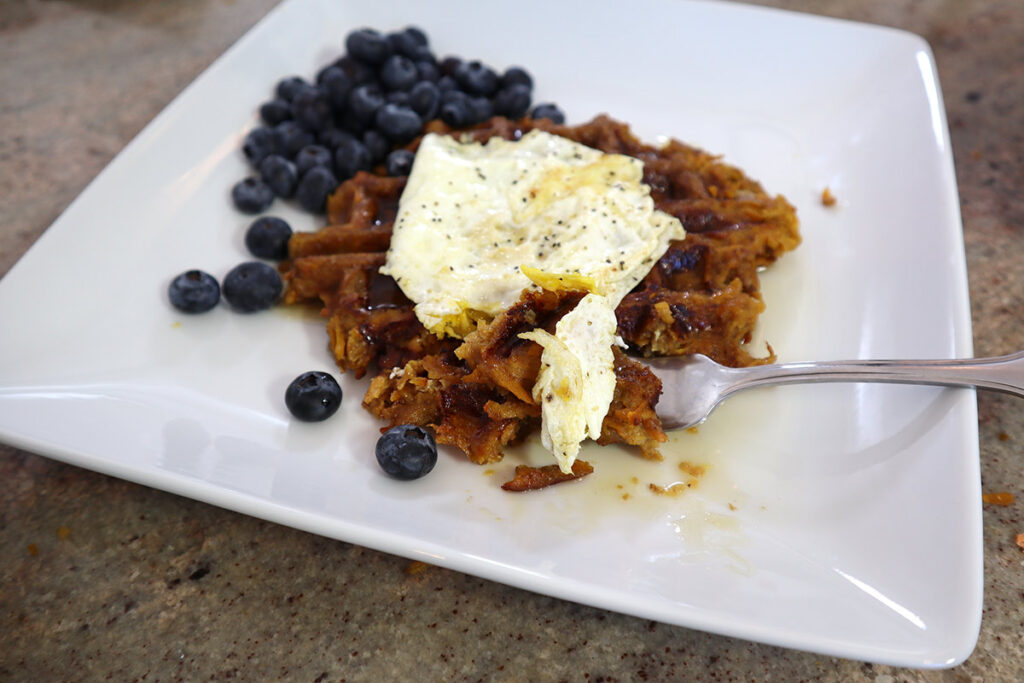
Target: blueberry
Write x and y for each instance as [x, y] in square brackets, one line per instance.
[350, 157]
[310, 156]
[448, 96]
[407, 452]
[412, 43]
[398, 43]
[337, 84]
[400, 162]
[398, 73]
[286, 88]
[548, 111]
[423, 54]
[259, 143]
[194, 292]
[515, 75]
[364, 101]
[425, 99]
[290, 137]
[449, 65]
[480, 109]
[330, 139]
[455, 112]
[399, 124]
[267, 237]
[417, 34]
[447, 84]
[399, 97]
[377, 145]
[280, 175]
[322, 73]
[252, 286]
[275, 111]
[409, 42]
[313, 396]
[314, 187]
[476, 78]
[368, 46]
[311, 109]
[427, 71]
[252, 195]
[358, 72]
[512, 101]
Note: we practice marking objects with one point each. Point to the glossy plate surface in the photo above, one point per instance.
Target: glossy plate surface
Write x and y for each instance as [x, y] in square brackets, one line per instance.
[828, 518]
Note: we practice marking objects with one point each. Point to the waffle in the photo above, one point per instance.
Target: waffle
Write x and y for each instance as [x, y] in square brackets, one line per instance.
[702, 296]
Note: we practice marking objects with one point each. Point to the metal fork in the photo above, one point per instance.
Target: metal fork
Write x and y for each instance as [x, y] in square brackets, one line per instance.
[694, 385]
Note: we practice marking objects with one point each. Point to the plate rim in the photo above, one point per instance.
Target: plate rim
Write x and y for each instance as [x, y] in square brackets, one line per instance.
[318, 523]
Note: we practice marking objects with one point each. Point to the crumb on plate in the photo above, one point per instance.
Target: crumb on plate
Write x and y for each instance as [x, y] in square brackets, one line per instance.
[827, 198]
[532, 478]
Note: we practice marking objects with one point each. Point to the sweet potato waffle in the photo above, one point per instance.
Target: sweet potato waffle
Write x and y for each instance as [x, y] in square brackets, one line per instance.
[702, 296]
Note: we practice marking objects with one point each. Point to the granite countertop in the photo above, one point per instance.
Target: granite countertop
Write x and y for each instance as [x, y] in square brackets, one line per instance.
[101, 578]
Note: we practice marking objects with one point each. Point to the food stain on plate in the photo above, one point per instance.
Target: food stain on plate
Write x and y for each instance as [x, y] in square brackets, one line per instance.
[690, 500]
[709, 535]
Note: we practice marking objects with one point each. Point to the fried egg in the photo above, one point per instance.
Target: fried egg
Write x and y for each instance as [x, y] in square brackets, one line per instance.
[479, 223]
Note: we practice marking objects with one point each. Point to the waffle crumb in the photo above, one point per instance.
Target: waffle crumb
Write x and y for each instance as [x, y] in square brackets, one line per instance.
[533, 478]
[1001, 498]
[692, 469]
[673, 489]
[416, 567]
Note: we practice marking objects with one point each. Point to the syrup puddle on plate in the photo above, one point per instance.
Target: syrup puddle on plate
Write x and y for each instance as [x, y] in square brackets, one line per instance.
[692, 500]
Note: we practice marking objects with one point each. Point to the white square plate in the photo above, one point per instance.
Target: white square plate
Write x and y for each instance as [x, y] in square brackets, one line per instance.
[843, 519]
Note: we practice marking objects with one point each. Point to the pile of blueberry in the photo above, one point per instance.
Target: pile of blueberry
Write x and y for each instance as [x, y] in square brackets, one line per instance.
[361, 112]
[363, 109]
[250, 286]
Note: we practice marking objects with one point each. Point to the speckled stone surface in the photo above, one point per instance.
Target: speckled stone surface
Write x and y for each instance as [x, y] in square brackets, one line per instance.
[102, 579]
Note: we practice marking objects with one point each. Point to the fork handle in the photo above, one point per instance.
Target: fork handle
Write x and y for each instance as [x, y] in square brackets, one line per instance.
[1001, 373]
